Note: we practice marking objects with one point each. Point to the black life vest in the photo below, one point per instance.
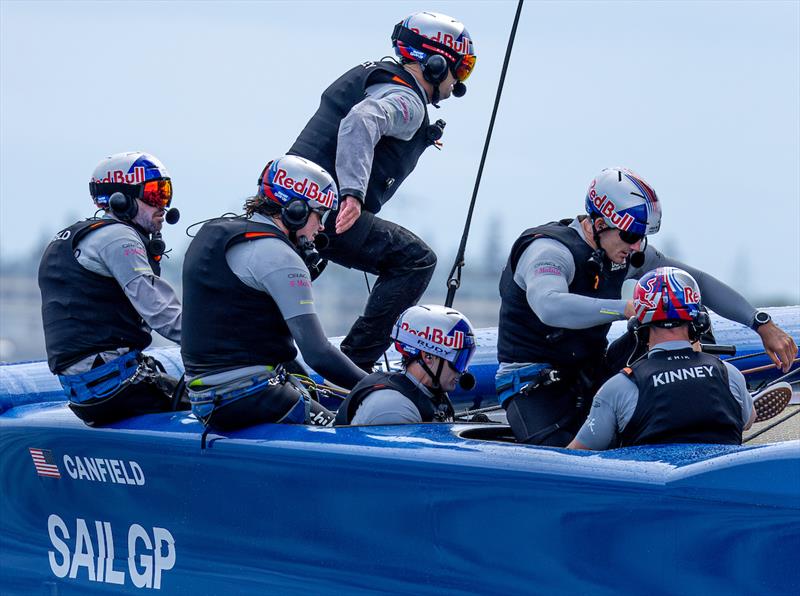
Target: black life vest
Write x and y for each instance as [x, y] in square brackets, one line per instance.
[437, 408]
[523, 337]
[393, 159]
[226, 324]
[684, 397]
[85, 313]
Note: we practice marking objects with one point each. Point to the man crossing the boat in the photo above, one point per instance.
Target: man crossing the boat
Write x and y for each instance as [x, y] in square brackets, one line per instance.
[248, 299]
[102, 295]
[561, 290]
[436, 344]
[369, 131]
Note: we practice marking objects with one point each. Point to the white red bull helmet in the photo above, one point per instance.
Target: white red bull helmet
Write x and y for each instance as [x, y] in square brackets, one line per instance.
[437, 330]
[666, 297]
[625, 202]
[135, 174]
[423, 34]
[292, 178]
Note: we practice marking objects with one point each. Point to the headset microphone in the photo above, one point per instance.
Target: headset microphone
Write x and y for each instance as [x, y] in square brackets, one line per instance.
[459, 89]
[172, 216]
[636, 259]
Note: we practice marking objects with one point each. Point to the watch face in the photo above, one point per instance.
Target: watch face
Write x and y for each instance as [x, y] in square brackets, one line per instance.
[762, 317]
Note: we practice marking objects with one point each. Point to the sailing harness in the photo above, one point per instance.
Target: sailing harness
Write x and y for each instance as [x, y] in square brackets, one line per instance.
[108, 380]
[206, 400]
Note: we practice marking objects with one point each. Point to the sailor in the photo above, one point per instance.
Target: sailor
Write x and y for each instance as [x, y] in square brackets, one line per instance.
[102, 294]
[436, 344]
[560, 291]
[369, 131]
[248, 298]
[673, 394]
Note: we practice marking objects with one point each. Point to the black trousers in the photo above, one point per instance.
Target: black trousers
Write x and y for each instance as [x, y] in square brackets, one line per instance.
[404, 265]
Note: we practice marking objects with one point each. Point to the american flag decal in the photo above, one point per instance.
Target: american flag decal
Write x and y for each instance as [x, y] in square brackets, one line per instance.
[45, 462]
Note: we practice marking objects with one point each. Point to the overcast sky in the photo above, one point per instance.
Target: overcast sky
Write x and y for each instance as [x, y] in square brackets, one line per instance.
[701, 99]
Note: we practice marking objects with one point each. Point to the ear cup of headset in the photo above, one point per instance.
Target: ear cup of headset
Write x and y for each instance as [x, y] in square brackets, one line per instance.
[700, 325]
[434, 69]
[123, 206]
[295, 214]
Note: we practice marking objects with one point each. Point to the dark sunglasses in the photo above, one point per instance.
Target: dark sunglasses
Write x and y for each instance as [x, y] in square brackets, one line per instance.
[630, 237]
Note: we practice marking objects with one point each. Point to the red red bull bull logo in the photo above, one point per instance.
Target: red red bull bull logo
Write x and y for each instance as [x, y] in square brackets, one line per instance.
[461, 44]
[608, 209]
[438, 336]
[305, 188]
[120, 177]
[690, 296]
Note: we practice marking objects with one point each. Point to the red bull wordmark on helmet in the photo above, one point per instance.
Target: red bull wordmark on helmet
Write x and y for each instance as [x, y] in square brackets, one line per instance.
[120, 177]
[608, 209]
[305, 187]
[438, 336]
[461, 45]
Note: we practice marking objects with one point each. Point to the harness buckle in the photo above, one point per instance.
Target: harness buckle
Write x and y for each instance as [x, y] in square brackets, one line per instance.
[547, 376]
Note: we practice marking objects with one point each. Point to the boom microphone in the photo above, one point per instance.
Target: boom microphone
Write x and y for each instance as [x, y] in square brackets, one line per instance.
[172, 216]
[637, 259]
[459, 89]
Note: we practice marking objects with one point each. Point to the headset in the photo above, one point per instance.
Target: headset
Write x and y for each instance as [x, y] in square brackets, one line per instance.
[125, 208]
[700, 324]
[295, 213]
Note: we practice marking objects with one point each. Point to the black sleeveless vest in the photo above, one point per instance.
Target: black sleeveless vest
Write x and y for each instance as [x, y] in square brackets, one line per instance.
[684, 397]
[522, 337]
[227, 324]
[433, 408]
[393, 159]
[85, 313]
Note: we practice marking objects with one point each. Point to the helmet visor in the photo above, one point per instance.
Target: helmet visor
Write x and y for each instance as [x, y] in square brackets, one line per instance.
[629, 237]
[464, 67]
[157, 193]
[462, 359]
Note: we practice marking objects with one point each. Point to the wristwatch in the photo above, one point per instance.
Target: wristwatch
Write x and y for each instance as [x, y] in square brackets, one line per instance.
[761, 318]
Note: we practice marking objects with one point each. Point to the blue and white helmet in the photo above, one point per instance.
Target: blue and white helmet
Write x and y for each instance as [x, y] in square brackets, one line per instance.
[437, 330]
[291, 178]
[132, 168]
[624, 201]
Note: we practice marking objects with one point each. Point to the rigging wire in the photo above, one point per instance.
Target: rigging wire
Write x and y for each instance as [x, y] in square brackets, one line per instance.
[454, 279]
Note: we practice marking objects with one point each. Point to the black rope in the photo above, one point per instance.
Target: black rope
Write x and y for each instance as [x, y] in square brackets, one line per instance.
[454, 279]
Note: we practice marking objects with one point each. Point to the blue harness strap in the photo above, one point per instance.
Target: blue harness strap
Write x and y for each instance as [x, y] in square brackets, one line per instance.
[101, 382]
[509, 384]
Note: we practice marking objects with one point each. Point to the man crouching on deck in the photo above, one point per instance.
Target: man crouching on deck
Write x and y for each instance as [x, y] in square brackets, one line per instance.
[673, 394]
[248, 299]
[436, 343]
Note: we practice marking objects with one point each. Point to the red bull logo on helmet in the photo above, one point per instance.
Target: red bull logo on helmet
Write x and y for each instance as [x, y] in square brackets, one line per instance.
[690, 296]
[462, 44]
[305, 188]
[437, 336]
[120, 177]
[608, 209]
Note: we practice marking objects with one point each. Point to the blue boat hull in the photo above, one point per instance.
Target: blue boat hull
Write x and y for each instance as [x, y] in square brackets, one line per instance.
[416, 509]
